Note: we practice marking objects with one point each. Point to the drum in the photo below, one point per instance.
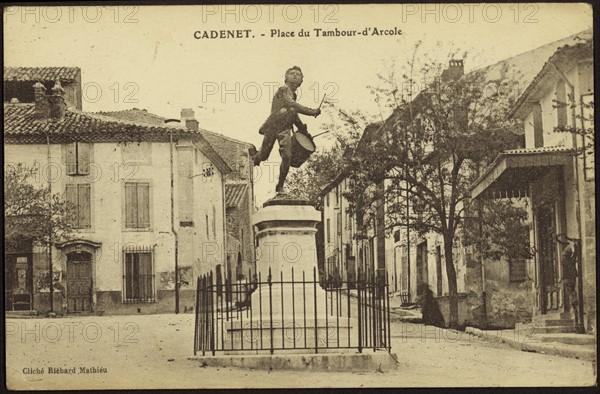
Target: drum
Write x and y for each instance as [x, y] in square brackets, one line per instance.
[302, 147]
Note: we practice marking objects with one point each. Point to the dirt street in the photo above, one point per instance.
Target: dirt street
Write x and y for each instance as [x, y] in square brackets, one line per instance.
[151, 351]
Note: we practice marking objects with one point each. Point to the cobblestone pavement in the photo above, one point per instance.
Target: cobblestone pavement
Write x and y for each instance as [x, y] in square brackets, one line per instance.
[151, 351]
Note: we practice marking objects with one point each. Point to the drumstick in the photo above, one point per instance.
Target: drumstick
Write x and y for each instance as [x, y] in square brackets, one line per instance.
[321, 102]
[315, 136]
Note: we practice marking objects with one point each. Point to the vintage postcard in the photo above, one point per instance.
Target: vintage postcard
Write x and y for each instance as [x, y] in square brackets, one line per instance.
[299, 195]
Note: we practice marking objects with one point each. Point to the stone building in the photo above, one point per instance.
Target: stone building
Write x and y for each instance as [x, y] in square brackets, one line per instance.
[555, 171]
[239, 190]
[147, 199]
[410, 260]
[18, 82]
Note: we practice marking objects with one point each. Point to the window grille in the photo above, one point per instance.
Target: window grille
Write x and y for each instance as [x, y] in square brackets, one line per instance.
[138, 274]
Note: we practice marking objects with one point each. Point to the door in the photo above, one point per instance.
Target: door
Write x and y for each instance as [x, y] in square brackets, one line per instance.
[404, 273]
[438, 269]
[79, 282]
[19, 282]
[549, 289]
[422, 269]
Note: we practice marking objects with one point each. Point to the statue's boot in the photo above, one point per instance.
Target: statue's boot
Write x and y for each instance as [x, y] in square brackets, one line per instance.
[283, 171]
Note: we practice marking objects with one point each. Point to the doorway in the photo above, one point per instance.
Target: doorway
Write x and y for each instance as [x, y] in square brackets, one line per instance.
[422, 269]
[19, 282]
[79, 282]
[550, 300]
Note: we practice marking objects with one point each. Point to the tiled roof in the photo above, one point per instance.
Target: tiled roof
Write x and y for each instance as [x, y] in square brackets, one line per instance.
[234, 193]
[21, 126]
[522, 66]
[541, 149]
[136, 115]
[564, 57]
[220, 142]
[65, 74]
[228, 148]
[527, 64]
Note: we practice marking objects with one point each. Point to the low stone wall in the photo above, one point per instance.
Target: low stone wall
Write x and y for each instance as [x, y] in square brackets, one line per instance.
[110, 303]
[465, 308]
[508, 304]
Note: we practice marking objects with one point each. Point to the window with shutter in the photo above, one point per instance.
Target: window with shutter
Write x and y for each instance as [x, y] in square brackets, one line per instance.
[585, 77]
[83, 158]
[538, 128]
[78, 197]
[71, 198]
[85, 220]
[214, 222]
[561, 104]
[77, 158]
[517, 270]
[143, 204]
[138, 275]
[71, 159]
[207, 227]
[137, 205]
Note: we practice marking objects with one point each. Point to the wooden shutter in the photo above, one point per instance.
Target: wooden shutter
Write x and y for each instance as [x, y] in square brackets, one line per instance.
[71, 197]
[404, 272]
[131, 205]
[145, 272]
[135, 274]
[128, 276]
[538, 128]
[586, 78]
[83, 158]
[561, 104]
[71, 159]
[84, 206]
[143, 205]
[214, 222]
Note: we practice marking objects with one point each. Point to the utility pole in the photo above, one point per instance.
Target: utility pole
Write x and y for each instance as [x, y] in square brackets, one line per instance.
[50, 268]
[173, 218]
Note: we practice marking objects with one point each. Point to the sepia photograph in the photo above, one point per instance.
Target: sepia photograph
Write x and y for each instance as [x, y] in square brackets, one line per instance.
[238, 196]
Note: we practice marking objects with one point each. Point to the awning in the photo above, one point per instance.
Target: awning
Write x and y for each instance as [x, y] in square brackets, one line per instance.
[512, 171]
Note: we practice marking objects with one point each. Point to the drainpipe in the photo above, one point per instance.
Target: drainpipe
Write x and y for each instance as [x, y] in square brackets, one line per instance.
[408, 241]
[175, 235]
[580, 324]
[224, 226]
[50, 268]
[482, 265]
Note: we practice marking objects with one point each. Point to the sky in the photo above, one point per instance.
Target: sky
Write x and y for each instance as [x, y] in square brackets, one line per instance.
[149, 57]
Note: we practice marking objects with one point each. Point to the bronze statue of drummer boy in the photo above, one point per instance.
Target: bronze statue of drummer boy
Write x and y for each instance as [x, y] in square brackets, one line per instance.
[278, 126]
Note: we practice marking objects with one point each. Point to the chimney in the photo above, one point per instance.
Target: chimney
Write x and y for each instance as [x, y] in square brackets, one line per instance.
[454, 71]
[57, 102]
[42, 106]
[188, 116]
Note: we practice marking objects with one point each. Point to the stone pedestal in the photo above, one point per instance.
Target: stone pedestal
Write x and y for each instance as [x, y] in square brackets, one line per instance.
[291, 314]
[286, 238]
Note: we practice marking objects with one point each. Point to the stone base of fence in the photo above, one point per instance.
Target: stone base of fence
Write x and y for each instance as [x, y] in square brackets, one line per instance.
[332, 361]
[257, 335]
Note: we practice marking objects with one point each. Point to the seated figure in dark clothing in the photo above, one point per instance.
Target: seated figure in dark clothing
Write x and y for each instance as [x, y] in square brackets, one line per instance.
[430, 309]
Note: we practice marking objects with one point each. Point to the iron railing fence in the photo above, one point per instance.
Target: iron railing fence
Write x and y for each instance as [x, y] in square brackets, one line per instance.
[295, 313]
